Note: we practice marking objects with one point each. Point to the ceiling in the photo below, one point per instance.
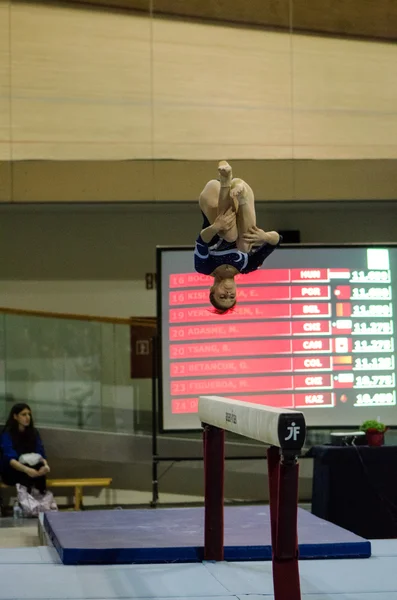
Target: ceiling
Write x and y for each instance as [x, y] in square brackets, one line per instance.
[376, 19]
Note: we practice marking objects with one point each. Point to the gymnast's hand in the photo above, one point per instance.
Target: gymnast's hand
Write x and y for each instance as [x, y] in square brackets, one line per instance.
[255, 236]
[225, 221]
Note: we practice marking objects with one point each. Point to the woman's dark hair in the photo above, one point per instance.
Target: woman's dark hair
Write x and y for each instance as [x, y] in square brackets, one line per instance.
[25, 441]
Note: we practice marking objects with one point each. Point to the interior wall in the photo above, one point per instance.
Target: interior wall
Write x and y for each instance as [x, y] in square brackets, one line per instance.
[114, 86]
[5, 103]
[127, 181]
[93, 260]
[99, 84]
[365, 19]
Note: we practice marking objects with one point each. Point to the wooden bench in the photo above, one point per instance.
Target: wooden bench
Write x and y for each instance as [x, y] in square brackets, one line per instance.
[77, 484]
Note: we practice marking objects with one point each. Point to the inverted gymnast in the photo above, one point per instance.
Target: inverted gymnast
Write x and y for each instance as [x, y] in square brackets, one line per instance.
[229, 242]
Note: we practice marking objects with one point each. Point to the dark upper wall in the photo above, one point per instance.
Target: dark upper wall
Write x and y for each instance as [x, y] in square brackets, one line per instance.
[356, 18]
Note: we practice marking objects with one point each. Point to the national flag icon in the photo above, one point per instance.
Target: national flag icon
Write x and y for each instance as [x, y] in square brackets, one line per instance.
[342, 326]
[343, 309]
[343, 292]
[342, 363]
[344, 380]
[342, 345]
[339, 273]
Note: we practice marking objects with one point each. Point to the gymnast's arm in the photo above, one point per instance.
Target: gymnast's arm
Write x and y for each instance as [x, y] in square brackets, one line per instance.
[257, 237]
[256, 259]
[208, 233]
[222, 224]
[202, 259]
[267, 237]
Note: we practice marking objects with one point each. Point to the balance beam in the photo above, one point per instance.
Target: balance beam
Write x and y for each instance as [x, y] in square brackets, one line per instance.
[284, 431]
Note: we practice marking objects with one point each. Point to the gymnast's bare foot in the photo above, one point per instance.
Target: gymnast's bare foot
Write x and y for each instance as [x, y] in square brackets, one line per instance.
[238, 191]
[225, 173]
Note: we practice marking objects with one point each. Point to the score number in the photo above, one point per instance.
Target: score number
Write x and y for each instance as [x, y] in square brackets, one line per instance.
[370, 381]
[374, 345]
[381, 363]
[370, 276]
[385, 328]
[373, 310]
[386, 399]
[374, 293]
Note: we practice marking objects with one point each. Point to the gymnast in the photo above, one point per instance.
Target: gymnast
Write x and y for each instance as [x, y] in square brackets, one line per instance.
[229, 243]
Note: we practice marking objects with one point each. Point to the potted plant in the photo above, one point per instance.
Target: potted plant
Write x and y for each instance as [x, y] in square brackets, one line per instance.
[375, 432]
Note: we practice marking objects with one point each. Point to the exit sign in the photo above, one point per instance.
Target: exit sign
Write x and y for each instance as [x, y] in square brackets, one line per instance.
[150, 279]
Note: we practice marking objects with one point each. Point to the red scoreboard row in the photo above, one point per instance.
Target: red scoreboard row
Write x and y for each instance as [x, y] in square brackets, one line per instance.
[186, 280]
[190, 405]
[264, 383]
[260, 311]
[260, 347]
[251, 366]
[262, 329]
[266, 294]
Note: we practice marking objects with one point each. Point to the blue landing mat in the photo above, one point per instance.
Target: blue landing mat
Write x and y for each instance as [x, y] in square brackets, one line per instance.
[177, 535]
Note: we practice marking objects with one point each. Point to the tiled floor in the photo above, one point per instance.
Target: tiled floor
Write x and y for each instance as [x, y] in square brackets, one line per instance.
[22, 534]
[36, 574]
[45, 578]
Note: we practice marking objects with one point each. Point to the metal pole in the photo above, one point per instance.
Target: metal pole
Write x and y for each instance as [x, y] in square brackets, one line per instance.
[155, 483]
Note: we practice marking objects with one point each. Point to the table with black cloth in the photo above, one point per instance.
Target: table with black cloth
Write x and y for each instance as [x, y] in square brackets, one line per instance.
[356, 488]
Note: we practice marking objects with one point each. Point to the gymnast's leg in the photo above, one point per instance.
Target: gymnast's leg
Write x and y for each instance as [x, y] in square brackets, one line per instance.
[215, 199]
[243, 194]
[225, 200]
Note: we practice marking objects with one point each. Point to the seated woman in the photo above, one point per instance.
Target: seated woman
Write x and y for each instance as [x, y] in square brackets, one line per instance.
[229, 242]
[19, 437]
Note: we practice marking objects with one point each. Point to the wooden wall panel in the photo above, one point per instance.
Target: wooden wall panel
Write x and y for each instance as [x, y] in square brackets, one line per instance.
[345, 180]
[97, 94]
[221, 92]
[6, 171]
[84, 181]
[5, 105]
[81, 89]
[182, 181]
[345, 99]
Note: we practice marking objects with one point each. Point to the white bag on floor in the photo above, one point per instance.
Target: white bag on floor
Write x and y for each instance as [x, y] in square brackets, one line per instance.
[35, 503]
[46, 501]
[29, 505]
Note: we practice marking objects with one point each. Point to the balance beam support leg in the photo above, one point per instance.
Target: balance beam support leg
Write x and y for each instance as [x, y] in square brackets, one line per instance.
[284, 430]
[214, 467]
[283, 486]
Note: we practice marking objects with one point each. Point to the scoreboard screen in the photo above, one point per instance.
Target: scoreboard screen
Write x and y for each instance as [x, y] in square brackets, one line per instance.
[313, 329]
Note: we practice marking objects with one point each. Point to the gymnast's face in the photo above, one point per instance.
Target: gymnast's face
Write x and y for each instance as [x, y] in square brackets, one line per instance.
[224, 293]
